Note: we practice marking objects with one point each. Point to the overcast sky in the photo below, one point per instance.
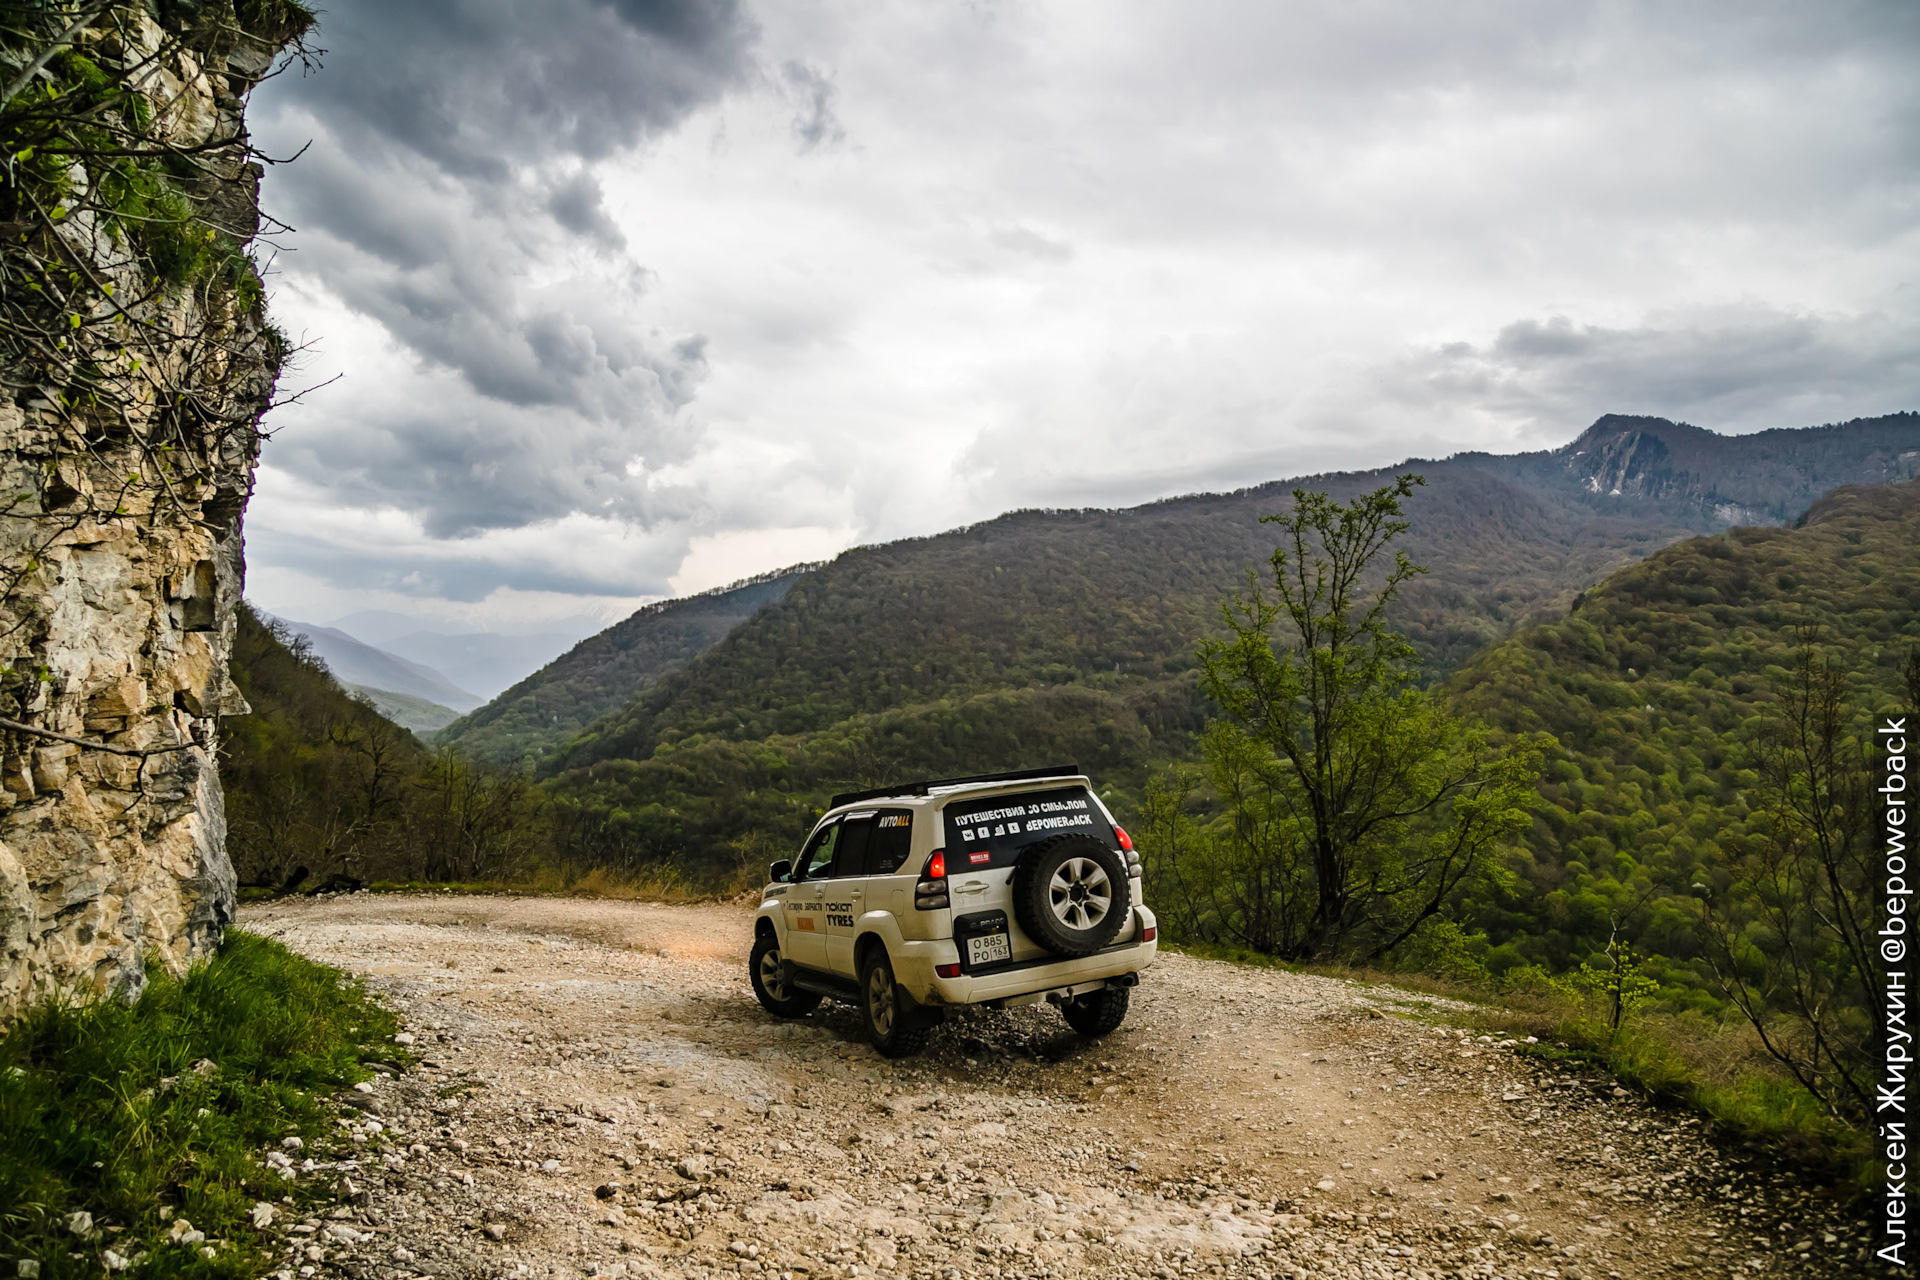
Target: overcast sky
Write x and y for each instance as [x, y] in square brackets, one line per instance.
[633, 298]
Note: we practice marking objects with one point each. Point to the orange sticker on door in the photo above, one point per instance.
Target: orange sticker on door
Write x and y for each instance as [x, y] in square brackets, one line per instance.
[804, 923]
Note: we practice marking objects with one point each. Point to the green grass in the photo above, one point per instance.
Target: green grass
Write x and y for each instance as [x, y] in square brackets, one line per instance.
[104, 1111]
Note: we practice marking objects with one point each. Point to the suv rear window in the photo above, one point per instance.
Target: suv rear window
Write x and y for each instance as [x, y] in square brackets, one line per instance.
[992, 831]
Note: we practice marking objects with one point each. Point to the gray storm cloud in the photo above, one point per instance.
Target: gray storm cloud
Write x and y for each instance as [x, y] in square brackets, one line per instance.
[608, 280]
[447, 197]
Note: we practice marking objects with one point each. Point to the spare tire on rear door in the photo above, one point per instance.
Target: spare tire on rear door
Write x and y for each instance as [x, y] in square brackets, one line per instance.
[1070, 894]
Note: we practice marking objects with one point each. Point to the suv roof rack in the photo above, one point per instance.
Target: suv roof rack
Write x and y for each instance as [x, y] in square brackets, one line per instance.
[923, 787]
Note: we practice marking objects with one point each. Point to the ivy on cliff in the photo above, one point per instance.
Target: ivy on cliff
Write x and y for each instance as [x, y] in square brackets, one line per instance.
[131, 323]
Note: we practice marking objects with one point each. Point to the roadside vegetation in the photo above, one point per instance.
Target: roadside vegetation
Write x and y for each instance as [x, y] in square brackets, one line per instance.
[123, 1121]
[1684, 892]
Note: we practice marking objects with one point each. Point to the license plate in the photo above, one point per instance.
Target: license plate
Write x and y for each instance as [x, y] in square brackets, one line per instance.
[991, 949]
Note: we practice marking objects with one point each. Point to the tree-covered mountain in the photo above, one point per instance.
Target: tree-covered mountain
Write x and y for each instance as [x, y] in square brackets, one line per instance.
[1656, 684]
[1049, 635]
[528, 721]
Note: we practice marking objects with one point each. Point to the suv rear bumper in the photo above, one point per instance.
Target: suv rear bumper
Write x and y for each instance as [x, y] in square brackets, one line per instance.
[913, 968]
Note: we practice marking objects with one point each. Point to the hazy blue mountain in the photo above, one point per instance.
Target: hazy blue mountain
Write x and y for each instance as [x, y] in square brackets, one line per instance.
[424, 718]
[353, 662]
[485, 662]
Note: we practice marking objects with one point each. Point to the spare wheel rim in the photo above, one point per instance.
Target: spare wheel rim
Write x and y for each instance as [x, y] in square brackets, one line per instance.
[1080, 893]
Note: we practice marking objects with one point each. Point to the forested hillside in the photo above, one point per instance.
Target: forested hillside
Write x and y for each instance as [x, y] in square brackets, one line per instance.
[319, 785]
[1047, 635]
[527, 722]
[1656, 684]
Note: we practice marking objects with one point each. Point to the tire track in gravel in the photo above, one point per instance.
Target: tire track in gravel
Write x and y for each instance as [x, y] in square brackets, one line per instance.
[600, 1094]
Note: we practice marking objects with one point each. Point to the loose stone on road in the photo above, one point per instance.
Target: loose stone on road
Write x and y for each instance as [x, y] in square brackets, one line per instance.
[599, 1094]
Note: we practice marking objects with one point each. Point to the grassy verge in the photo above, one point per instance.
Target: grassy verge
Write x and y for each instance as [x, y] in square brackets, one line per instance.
[1715, 1069]
[119, 1120]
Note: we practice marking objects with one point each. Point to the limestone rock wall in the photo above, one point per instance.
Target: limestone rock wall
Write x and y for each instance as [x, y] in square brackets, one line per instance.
[121, 555]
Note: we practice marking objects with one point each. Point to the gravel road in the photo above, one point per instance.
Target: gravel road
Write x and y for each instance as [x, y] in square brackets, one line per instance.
[600, 1095]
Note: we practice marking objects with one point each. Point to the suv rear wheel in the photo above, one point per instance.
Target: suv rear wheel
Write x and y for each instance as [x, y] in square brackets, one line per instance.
[1071, 894]
[1097, 1012]
[896, 1024]
[770, 986]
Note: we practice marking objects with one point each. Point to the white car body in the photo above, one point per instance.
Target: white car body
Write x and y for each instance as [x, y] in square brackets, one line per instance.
[824, 927]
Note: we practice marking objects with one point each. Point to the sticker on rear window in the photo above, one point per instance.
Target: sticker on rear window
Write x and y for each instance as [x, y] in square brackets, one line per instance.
[994, 829]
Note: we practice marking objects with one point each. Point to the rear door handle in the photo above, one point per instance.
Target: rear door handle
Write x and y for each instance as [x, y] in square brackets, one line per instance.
[855, 893]
[971, 886]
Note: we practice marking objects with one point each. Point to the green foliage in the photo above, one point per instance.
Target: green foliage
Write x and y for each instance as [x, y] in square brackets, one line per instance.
[117, 1110]
[1657, 686]
[1352, 808]
[320, 785]
[1792, 940]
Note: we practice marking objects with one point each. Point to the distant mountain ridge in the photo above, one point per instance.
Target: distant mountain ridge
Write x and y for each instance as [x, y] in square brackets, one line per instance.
[540, 713]
[1044, 634]
[356, 663]
[1767, 477]
[484, 662]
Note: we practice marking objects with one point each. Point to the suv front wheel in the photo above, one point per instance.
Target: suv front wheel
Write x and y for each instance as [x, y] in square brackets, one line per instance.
[776, 994]
[896, 1024]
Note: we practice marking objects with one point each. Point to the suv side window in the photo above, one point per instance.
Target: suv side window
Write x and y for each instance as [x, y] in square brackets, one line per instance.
[856, 834]
[892, 841]
[817, 862]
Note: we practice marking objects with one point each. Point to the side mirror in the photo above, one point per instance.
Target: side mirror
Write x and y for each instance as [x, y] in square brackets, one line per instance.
[781, 871]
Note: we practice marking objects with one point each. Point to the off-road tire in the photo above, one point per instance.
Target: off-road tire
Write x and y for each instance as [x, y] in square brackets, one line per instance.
[776, 994]
[896, 1024]
[1097, 1012]
[1071, 894]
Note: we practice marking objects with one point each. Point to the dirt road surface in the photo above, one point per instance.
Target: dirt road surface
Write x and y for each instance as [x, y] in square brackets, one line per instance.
[599, 1094]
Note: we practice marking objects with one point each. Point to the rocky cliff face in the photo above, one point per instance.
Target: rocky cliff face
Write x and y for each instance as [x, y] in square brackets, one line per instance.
[1765, 478]
[132, 379]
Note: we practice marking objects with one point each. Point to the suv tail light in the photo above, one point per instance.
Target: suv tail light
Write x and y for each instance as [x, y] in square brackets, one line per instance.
[1151, 932]
[931, 893]
[1126, 841]
[947, 970]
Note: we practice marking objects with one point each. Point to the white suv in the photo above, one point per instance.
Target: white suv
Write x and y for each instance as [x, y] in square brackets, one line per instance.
[1004, 889]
